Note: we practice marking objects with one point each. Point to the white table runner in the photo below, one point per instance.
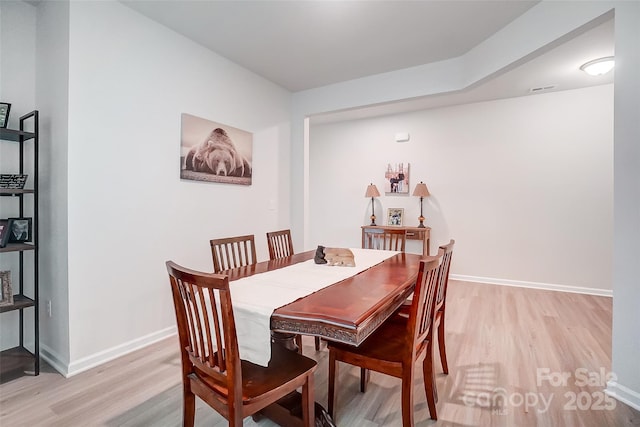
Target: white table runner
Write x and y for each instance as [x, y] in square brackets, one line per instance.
[255, 298]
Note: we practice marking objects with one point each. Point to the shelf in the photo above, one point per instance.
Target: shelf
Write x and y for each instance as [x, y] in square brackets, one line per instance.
[16, 362]
[17, 247]
[16, 135]
[19, 302]
[14, 192]
[19, 361]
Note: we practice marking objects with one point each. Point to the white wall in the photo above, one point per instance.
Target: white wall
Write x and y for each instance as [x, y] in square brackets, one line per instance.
[128, 210]
[626, 249]
[17, 70]
[17, 61]
[52, 88]
[524, 185]
[516, 42]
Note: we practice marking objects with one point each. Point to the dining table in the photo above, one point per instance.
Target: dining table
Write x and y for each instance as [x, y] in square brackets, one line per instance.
[338, 303]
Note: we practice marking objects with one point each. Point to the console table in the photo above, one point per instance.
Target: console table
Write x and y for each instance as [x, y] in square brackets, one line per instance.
[413, 233]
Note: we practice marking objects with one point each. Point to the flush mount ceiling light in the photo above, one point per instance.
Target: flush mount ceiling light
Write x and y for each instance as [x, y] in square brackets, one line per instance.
[598, 67]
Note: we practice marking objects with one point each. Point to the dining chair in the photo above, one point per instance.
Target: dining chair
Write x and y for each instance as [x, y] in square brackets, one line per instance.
[441, 298]
[384, 239]
[233, 252]
[397, 345]
[381, 239]
[280, 245]
[211, 365]
[446, 251]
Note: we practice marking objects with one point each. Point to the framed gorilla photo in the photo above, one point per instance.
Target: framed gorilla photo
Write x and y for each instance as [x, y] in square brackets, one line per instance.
[214, 152]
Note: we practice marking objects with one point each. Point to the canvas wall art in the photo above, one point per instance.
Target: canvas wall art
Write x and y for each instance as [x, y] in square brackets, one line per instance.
[396, 178]
[214, 152]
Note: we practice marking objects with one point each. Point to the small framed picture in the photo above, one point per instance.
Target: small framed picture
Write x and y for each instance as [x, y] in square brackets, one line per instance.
[4, 232]
[6, 297]
[4, 114]
[394, 216]
[19, 230]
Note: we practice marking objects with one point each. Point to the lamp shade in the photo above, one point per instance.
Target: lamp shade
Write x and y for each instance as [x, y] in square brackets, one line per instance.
[372, 191]
[421, 190]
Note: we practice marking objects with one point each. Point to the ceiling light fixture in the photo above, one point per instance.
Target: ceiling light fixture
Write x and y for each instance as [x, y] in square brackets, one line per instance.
[598, 67]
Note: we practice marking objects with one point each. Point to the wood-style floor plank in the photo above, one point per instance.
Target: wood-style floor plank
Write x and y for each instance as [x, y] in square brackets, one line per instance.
[500, 341]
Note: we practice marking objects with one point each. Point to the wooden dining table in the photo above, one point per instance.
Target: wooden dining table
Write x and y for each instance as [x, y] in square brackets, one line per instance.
[347, 311]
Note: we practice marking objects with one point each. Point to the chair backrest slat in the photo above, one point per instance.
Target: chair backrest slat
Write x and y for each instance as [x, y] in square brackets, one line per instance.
[217, 327]
[280, 244]
[233, 252]
[443, 279]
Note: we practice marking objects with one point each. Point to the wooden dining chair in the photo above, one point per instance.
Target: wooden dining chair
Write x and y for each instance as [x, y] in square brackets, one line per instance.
[446, 251]
[384, 239]
[280, 244]
[211, 365]
[233, 252]
[441, 297]
[381, 239]
[396, 346]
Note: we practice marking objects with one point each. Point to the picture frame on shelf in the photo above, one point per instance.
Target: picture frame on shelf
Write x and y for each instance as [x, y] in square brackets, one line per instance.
[6, 297]
[4, 114]
[20, 230]
[395, 216]
[4, 232]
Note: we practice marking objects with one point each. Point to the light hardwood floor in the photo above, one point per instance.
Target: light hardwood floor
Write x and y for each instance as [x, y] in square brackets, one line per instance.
[507, 348]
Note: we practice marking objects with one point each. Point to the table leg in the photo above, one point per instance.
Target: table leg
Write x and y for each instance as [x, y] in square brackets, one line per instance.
[288, 410]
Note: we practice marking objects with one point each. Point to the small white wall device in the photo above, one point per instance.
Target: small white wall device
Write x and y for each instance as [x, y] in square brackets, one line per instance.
[402, 137]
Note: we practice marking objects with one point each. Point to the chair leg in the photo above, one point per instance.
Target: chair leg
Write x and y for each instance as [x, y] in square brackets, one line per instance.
[407, 396]
[317, 343]
[333, 372]
[234, 421]
[365, 375]
[441, 346]
[430, 382]
[308, 404]
[189, 408]
[298, 340]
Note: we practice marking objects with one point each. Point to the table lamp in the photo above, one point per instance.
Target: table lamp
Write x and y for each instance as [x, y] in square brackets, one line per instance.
[372, 191]
[422, 192]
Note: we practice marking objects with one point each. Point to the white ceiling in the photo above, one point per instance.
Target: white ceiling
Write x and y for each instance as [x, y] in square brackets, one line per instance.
[305, 44]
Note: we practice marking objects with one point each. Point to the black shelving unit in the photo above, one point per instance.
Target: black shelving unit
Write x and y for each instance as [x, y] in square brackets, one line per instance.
[18, 361]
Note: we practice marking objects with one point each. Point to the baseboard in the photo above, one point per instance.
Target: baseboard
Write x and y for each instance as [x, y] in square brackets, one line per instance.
[94, 360]
[54, 359]
[623, 394]
[534, 285]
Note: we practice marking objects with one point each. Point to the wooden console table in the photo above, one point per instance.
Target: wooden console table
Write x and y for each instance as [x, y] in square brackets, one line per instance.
[413, 233]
